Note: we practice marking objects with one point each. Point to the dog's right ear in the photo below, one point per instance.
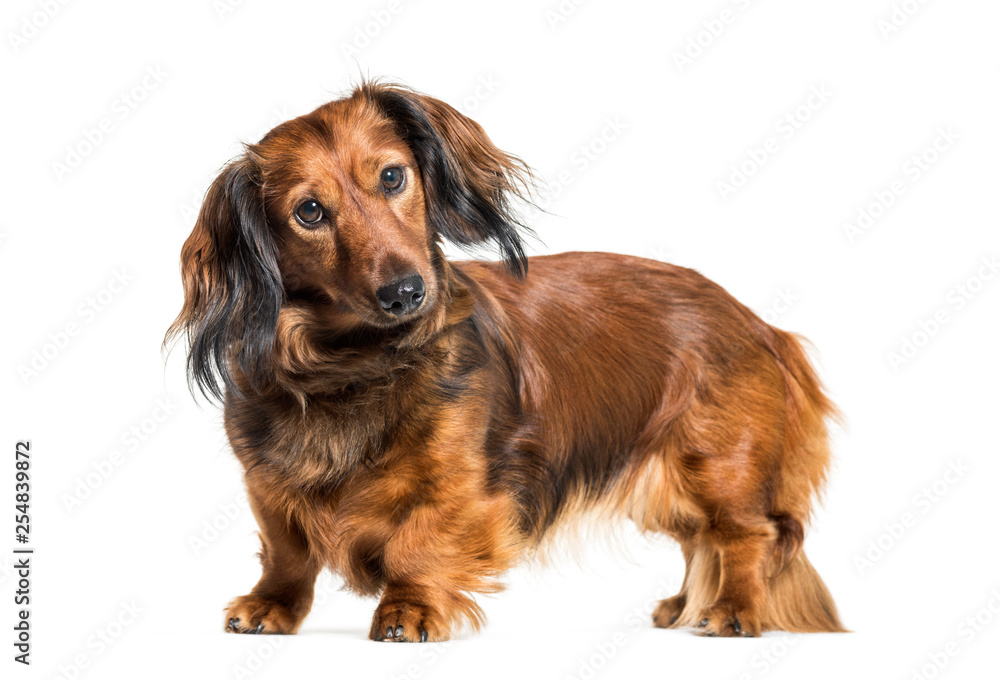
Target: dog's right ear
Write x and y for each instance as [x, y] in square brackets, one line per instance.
[233, 290]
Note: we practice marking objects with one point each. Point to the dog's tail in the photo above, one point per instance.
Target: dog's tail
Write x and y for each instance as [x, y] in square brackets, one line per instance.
[797, 599]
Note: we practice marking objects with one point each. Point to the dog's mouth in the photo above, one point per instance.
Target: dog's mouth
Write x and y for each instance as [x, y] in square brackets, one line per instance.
[400, 317]
[342, 316]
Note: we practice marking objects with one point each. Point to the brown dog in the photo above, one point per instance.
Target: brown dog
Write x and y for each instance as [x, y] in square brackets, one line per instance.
[417, 425]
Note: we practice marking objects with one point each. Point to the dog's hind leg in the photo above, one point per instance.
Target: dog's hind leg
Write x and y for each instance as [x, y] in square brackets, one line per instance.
[726, 473]
[736, 560]
[668, 611]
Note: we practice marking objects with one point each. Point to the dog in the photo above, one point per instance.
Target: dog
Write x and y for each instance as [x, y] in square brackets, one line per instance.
[419, 425]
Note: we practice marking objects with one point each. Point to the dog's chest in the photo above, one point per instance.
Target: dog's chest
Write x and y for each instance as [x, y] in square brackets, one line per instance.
[315, 445]
[347, 497]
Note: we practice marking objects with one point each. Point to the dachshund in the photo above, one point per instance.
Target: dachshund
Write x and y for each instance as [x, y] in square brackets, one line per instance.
[418, 425]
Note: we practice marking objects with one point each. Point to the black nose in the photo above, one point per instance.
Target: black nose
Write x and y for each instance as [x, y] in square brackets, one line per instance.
[403, 296]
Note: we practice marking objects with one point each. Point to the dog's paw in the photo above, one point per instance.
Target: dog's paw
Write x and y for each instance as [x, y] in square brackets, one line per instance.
[407, 622]
[258, 615]
[668, 611]
[724, 619]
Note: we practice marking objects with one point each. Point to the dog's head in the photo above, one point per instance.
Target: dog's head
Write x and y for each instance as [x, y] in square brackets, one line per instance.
[342, 208]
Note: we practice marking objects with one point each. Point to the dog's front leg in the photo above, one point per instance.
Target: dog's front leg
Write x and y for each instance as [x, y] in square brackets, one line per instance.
[283, 596]
[410, 612]
[435, 561]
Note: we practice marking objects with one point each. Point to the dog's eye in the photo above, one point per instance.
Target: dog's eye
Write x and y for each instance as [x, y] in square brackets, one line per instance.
[309, 212]
[392, 179]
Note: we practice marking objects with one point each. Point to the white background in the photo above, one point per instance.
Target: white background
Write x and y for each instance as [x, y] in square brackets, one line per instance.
[544, 85]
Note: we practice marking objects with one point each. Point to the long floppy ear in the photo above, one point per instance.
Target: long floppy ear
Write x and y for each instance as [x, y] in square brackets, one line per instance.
[469, 183]
[232, 286]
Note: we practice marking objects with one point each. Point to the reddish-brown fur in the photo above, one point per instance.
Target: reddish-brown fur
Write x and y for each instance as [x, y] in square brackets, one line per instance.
[419, 457]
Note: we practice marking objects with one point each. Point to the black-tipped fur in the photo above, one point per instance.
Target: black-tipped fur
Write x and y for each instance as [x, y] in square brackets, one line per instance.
[233, 288]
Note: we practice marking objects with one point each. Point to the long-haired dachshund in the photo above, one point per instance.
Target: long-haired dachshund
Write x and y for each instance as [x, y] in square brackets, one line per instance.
[418, 425]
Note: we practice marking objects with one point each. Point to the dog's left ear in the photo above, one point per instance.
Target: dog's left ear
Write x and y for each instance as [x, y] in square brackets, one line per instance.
[470, 185]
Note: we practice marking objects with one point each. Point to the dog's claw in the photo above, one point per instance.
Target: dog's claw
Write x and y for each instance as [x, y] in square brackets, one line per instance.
[389, 632]
[737, 626]
[703, 623]
[260, 628]
[234, 624]
[399, 631]
[423, 636]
